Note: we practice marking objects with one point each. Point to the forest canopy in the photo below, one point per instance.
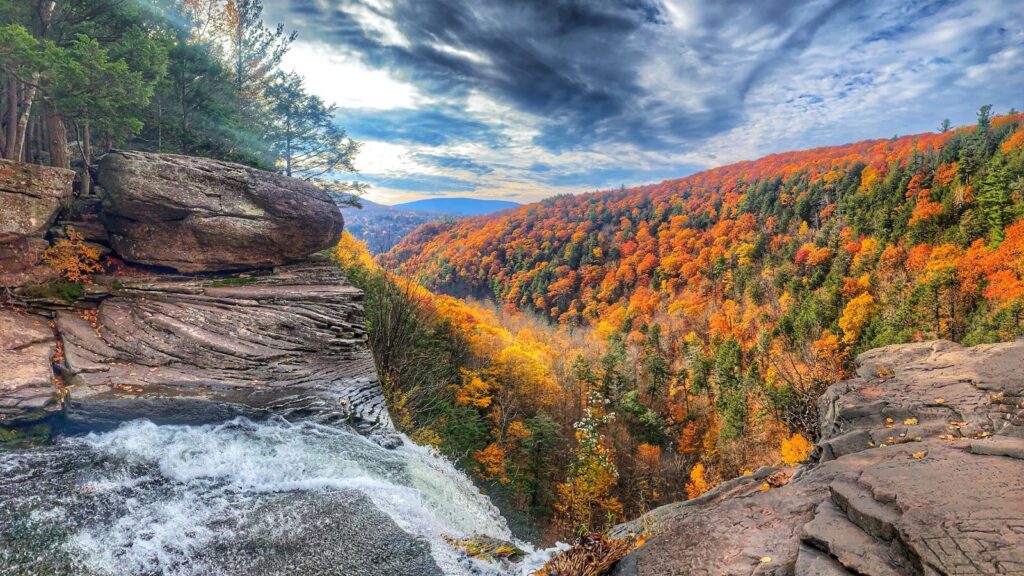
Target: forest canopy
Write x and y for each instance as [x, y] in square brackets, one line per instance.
[698, 320]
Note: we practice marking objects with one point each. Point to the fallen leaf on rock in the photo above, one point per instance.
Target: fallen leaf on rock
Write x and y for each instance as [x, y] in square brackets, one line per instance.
[766, 559]
[940, 401]
[910, 422]
[918, 455]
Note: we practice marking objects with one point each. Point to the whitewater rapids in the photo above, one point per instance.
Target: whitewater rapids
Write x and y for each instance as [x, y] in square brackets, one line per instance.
[242, 497]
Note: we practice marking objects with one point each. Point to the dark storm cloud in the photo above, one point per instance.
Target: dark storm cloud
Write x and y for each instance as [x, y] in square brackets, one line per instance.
[638, 90]
[575, 64]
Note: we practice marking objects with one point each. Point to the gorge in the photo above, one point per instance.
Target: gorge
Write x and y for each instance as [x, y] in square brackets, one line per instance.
[209, 417]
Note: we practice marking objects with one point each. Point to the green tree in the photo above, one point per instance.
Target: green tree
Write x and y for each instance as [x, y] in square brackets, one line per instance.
[308, 142]
[732, 396]
[255, 51]
[984, 118]
[994, 197]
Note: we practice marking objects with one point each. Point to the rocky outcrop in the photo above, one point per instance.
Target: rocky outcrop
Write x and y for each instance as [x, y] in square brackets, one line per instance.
[285, 339]
[201, 215]
[181, 350]
[918, 471]
[30, 199]
[27, 384]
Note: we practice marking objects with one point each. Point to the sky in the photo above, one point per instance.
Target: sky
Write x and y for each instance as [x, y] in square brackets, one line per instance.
[524, 99]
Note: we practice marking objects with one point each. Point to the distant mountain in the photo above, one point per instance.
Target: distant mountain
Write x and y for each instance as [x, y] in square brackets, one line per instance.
[381, 226]
[459, 206]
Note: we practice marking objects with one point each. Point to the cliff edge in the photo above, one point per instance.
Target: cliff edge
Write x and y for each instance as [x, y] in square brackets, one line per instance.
[919, 470]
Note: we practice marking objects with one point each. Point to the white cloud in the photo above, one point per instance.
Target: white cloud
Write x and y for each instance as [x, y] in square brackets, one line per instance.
[342, 78]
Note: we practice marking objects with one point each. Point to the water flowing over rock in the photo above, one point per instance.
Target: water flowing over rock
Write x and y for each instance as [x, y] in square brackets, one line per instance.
[200, 215]
[919, 471]
[30, 199]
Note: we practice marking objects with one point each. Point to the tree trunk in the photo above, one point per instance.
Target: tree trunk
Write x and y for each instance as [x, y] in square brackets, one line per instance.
[57, 137]
[288, 146]
[85, 145]
[30, 95]
[11, 117]
[184, 108]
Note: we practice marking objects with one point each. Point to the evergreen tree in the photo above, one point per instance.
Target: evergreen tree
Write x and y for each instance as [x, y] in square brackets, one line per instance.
[994, 197]
[255, 51]
[984, 118]
[308, 142]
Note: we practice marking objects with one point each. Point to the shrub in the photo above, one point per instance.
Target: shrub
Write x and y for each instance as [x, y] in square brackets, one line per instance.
[73, 259]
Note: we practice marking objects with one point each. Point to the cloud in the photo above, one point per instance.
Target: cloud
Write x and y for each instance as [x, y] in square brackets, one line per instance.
[425, 184]
[433, 126]
[537, 97]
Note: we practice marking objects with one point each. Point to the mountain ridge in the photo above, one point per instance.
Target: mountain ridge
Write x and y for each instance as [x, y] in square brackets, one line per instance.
[460, 206]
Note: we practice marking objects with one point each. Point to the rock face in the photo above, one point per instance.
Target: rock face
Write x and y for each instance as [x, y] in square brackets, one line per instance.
[171, 348]
[919, 471]
[201, 215]
[30, 198]
[180, 350]
[27, 389]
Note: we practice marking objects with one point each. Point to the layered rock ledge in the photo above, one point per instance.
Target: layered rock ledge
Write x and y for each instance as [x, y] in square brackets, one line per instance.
[919, 470]
[185, 350]
[30, 199]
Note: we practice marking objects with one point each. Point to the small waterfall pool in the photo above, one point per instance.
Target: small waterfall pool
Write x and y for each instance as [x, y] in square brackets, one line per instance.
[242, 497]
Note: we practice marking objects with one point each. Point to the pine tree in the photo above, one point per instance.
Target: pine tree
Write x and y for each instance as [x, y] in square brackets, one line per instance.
[308, 142]
[994, 197]
[255, 51]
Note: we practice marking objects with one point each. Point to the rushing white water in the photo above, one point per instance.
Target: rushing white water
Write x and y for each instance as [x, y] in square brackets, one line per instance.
[172, 493]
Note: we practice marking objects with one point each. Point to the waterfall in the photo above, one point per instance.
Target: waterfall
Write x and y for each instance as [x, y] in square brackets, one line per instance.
[237, 498]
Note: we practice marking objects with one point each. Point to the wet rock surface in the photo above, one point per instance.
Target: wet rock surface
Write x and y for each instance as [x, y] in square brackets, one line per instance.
[200, 215]
[918, 471]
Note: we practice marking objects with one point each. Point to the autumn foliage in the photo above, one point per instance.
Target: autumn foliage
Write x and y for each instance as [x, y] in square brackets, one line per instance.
[707, 314]
[73, 258]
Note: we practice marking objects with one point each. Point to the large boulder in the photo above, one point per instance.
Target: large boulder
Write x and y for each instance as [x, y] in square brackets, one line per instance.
[920, 470]
[30, 198]
[200, 215]
[27, 383]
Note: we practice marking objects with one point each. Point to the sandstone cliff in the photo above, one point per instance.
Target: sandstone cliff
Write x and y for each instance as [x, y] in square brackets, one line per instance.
[919, 470]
